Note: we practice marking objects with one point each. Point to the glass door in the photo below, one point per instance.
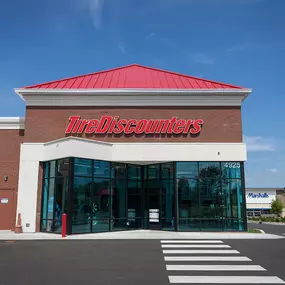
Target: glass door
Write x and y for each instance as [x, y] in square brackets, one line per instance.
[153, 205]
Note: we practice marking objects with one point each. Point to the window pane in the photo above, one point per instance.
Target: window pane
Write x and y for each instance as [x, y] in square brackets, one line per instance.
[102, 168]
[54, 196]
[134, 223]
[167, 187]
[144, 172]
[134, 172]
[210, 199]
[209, 170]
[46, 169]
[211, 224]
[234, 224]
[101, 195]
[100, 225]
[167, 224]
[81, 212]
[45, 198]
[210, 191]
[134, 207]
[119, 224]
[119, 199]
[43, 225]
[82, 167]
[134, 187]
[189, 225]
[119, 171]
[47, 225]
[188, 198]
[233, 198]
[62, 167]
[60, 206]
[52, 169]
[153, 171]
[167, 212]
[167, 170]
[152, 187]
[51, 198]
[231, 170]
[187, 169]
[79, 227]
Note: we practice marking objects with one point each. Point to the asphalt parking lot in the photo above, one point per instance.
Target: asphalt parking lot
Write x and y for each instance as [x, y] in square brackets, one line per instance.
[82, 262]
[128, 262]
[278, 229]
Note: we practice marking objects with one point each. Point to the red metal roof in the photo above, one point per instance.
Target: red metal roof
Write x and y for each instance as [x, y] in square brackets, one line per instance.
[134, 76]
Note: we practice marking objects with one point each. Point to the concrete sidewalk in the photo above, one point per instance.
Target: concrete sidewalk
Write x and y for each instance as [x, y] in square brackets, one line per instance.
[137, 234]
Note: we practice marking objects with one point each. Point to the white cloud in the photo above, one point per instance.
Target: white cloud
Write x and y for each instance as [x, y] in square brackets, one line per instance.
[202, 58]
[273, 170]
[94, 8]
[238, 48]
[121, 47]
[258, 143]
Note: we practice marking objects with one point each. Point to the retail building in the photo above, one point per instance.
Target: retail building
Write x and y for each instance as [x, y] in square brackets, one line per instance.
[127, 148]
[258, 200]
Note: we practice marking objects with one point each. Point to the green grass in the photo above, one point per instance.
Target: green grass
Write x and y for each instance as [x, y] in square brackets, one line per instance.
[254, 231]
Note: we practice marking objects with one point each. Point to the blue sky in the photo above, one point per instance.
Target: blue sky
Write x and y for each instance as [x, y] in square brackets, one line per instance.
[235, 41]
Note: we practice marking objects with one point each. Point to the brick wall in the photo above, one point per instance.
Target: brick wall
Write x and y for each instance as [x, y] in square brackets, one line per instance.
[9, 164]
[9, 157]
[221, 124]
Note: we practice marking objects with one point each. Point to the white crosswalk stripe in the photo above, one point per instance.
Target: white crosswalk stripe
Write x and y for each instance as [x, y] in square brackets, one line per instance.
[225, 280]
[202, 251]
[215, 268]
[206, 258]
[193, 256]
[191, 241]
[195, 246]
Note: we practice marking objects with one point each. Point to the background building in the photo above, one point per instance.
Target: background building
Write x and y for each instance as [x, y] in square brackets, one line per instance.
[258, 200]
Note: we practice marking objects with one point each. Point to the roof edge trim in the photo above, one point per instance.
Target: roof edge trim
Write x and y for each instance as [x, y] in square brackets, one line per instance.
[125, 91]
[12, 123]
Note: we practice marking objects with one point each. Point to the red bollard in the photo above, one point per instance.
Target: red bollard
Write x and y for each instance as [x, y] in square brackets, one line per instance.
[63, 226]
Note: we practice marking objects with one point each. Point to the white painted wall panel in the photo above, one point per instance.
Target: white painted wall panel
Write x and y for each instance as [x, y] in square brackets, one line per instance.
[179, 152]
[28, 185]
[33, 153]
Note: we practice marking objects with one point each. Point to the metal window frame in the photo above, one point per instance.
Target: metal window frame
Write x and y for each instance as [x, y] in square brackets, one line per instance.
[243, 196]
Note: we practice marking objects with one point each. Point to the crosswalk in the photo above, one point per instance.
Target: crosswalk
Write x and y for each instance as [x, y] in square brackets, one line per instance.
[211, 262]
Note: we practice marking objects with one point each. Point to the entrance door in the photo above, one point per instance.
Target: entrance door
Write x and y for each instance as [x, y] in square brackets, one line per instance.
[153, 205]
[7, 207]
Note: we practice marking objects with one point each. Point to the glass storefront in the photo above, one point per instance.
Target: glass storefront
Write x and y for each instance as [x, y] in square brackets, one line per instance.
[210, 196]
[100, 196]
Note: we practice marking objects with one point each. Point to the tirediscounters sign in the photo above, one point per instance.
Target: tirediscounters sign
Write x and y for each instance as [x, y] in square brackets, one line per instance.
[115, 125]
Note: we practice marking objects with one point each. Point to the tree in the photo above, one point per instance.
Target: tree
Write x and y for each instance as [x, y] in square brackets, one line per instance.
[209, 181]
[277, 206]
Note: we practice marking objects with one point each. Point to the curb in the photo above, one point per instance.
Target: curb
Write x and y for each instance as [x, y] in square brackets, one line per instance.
[267, 223]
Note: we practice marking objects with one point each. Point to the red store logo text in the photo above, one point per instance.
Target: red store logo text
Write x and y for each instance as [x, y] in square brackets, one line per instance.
[115, 125]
